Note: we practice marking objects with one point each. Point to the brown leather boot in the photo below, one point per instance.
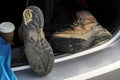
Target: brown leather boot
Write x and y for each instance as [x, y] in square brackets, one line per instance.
[84, 33]
[37, 49]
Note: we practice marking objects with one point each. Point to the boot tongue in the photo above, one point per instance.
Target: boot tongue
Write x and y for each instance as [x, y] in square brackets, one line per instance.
[85, 17]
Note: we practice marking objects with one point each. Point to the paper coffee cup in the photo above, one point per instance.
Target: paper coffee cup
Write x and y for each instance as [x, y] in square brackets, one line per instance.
[7, 31]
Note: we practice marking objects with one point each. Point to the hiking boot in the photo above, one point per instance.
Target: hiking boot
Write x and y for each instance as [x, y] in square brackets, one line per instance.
[84, 33]
[38, 51]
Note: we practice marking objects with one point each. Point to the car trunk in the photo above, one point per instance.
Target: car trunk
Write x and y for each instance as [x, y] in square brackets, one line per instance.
[105, 11]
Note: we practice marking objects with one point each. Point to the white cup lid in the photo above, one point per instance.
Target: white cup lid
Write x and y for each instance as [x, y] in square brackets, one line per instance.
[6, 27]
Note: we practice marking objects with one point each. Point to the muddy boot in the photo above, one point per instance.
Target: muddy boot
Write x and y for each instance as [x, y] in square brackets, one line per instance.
[7, 32]
[38, 51]
[84, 33]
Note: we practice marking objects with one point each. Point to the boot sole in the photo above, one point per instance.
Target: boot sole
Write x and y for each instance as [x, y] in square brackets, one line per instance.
[38, 52]
[73, 45]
